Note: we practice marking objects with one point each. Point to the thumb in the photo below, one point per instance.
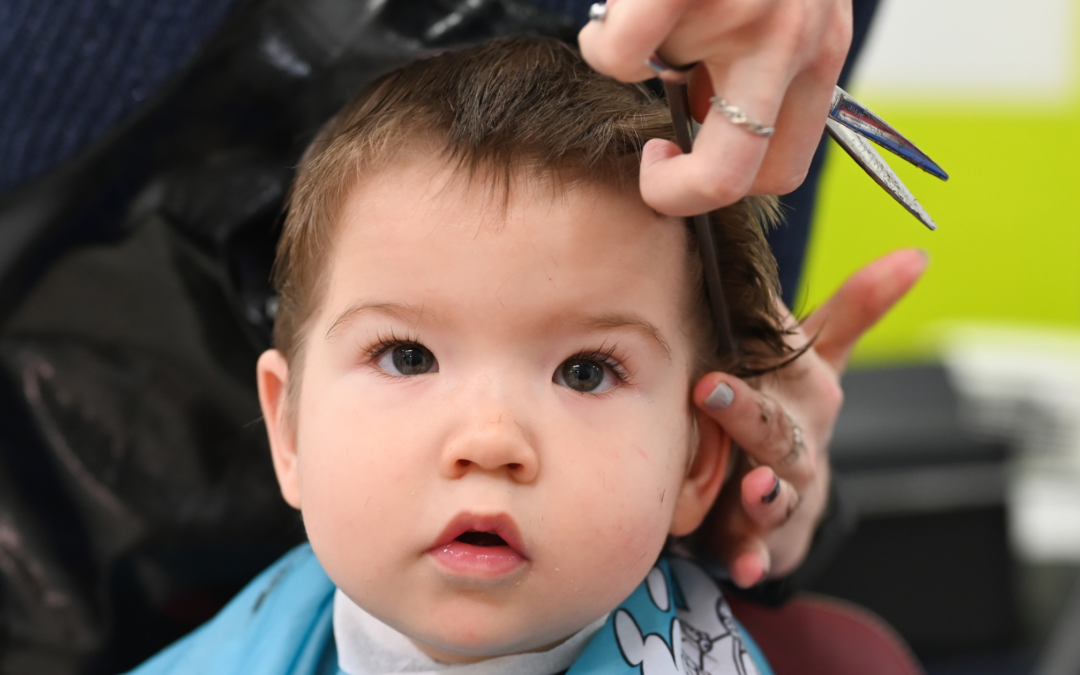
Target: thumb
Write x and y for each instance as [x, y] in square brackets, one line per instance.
[861, 302]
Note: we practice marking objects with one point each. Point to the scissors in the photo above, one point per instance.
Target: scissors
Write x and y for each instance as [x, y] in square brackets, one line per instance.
[850, 124]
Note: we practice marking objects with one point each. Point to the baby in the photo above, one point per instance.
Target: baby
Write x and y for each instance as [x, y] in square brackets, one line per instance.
[479, 392]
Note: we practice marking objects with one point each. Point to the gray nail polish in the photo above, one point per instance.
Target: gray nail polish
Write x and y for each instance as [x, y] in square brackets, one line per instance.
[721, 397]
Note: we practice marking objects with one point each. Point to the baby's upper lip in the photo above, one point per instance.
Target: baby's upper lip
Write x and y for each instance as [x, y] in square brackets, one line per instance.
[500, 524]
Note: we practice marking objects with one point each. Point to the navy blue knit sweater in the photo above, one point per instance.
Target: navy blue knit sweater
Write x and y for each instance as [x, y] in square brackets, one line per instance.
[72, 70]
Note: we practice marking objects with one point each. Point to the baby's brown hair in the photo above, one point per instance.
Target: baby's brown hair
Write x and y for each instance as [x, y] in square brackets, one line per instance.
[520, 107]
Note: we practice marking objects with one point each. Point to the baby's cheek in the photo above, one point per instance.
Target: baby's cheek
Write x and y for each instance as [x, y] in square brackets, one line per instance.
[356, 498]
[627, 541]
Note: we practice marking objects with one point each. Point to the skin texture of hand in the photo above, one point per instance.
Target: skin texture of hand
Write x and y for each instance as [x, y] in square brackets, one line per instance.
[777, 60]
[759, 539]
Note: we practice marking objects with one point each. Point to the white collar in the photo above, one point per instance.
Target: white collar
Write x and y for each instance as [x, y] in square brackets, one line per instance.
[367, 646]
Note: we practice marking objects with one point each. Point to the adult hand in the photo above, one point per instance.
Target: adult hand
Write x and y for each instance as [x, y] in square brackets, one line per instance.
[777, 60]
[762, 526]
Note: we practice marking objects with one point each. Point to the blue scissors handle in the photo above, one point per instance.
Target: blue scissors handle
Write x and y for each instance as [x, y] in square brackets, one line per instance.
[851, 125]
[857, 117]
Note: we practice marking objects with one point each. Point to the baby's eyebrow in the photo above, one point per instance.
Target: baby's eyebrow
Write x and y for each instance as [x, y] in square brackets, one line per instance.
[412, 313]
[632, 322]
[406, 312]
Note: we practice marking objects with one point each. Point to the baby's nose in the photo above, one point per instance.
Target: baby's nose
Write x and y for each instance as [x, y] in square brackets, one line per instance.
[497, 445]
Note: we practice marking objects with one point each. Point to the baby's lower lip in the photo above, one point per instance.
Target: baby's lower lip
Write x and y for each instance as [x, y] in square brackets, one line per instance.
[485, 562]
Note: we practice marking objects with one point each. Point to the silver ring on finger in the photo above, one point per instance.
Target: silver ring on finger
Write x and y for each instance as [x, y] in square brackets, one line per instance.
[798, 443]
[597, 11]
[736, 116]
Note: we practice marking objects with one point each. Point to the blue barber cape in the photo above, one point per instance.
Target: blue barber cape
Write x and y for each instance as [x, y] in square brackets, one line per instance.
[282, 624]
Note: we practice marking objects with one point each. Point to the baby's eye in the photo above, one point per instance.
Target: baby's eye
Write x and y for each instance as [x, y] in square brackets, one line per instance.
[408, 359]
[588, 376]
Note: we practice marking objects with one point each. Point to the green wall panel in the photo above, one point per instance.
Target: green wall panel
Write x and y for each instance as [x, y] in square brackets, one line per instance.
[1008, 243]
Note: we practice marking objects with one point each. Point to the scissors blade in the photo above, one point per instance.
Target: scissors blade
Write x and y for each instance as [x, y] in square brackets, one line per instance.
[857, 117]
[868, 158]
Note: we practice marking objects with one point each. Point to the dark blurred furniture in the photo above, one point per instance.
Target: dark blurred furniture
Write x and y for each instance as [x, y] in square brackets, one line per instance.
[815, 635]
[136, 495]
[1061, 655]
[930, 553]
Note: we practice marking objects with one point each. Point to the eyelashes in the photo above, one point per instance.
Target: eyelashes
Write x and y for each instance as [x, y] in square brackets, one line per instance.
[611, 357]
[405, 355]
[385, 341]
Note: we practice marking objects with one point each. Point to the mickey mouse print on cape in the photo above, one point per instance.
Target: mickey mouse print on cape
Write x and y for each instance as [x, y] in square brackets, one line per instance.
[675, 623]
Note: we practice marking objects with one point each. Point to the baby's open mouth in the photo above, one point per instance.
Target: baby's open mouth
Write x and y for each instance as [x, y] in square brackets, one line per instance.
[480, 547]
[481, 538]
[488, 536]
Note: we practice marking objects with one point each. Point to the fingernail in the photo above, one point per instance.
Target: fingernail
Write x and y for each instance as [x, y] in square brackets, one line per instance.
[770, 496]
[721, 397]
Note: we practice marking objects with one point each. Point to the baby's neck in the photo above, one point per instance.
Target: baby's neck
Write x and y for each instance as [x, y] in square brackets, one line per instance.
[457, 658]
[367, 646]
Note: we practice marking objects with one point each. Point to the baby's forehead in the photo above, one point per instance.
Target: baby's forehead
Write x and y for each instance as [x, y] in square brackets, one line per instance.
[423, 220]
[421, 186]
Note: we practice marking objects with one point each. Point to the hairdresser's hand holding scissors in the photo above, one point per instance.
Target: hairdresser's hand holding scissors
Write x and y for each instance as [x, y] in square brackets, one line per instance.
[771, 63]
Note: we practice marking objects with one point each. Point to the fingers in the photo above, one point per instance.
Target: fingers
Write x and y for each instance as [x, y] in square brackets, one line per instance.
[775, 61]
[768, 501]
[799, 125]
[726, 157]
[758, 425]
[749, 563]
[631, 31]
[806, 103]
[779, 70]
[763, 538]
[861, 301]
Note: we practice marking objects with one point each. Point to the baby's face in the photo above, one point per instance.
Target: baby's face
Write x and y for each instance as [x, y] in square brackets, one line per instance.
[493, 432]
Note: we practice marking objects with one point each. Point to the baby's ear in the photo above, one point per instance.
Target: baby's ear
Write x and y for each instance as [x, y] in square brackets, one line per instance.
[272, 375]
[705, 477]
